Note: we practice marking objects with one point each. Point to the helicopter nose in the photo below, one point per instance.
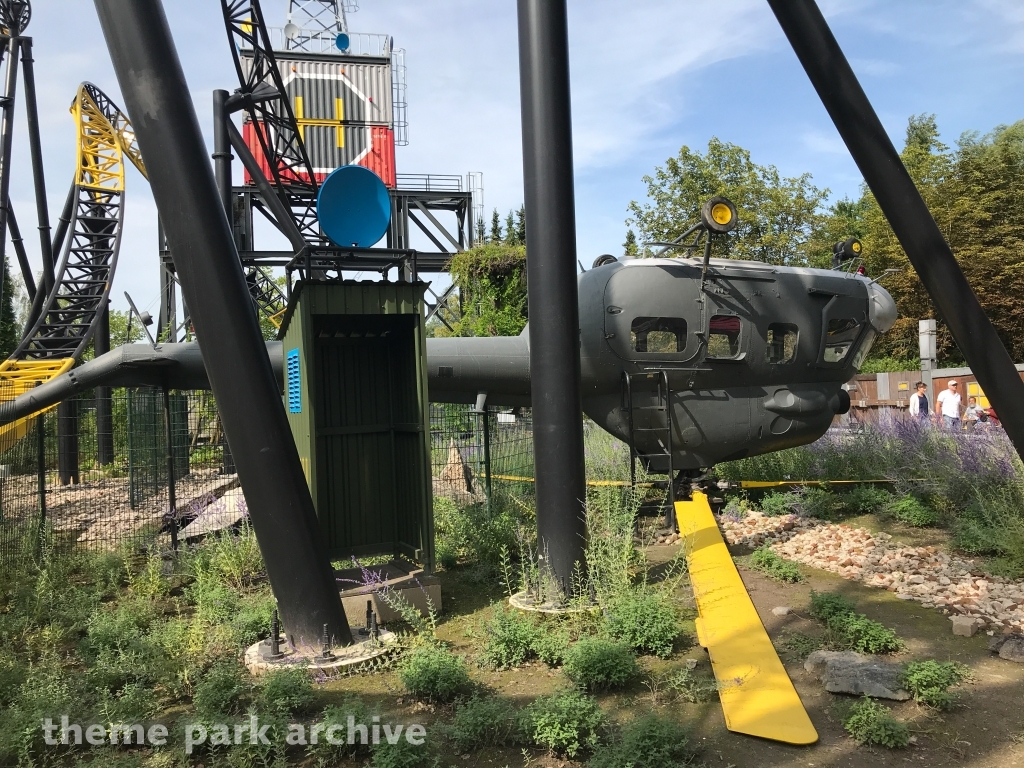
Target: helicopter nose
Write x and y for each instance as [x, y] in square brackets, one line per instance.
[881, 308]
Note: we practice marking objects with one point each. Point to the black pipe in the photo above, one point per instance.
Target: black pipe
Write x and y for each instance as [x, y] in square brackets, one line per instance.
[172, 502]
[551, 277]
[36, 151]
[19, 249]
[7, 138]
[67, 442]
[900, 201]
[222, 158]
[104, 403]
[210, 273]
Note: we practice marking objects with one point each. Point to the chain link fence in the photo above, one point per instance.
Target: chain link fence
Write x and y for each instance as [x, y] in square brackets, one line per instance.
[99, 471]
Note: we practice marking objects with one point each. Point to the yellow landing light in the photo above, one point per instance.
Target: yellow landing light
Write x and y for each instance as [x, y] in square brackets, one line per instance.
[757, 696]
[721, 213]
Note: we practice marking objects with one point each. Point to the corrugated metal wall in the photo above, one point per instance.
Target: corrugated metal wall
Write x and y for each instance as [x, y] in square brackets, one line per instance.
[344, 109]
[365, 432]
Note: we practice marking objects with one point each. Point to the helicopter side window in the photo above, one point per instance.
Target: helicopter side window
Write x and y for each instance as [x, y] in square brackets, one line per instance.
[665, 335]
[724, 336]
[782, 339]
[842, 334]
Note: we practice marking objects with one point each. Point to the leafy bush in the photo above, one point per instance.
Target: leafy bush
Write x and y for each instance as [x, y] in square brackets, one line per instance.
[484, 722]
[913, 511]
[929, 681]
[401, 754]
[434, 674]
[220, 691]
[825, 605]
[564, 723]
[764, 560]
[864, 634]
[598, 664]
[645, 620]
[287, 690]
[649, 741]
[252, 622]
[511, 637]
[872, 723]
[821, 503]
[327, 755]
[775, 503]
[551, 645]
[867, 499]
[692, 686]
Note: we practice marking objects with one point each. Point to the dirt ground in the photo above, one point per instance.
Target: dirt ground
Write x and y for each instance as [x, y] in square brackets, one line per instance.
[985, 729]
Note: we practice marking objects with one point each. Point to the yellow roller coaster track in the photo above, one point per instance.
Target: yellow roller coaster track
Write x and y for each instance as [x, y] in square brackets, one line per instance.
[67, 320]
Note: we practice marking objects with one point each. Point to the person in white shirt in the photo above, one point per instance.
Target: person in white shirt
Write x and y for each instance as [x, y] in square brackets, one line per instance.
[973, 414]
[919, 402]
[948, 404]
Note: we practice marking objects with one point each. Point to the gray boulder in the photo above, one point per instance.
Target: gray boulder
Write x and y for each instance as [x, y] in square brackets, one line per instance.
[857, 674]
[1009, 647]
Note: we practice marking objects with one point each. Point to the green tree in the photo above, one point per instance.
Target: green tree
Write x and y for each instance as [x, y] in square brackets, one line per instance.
[777, 215]
[481, 230]
[495, 236]
[630, 248]
[521, 225]
[492, 287]
[510, 229]
[10, 333]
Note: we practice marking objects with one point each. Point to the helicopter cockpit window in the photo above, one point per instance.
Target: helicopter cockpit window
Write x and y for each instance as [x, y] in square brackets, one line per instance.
[782, 338]
[842, 334]
[658, 334]
[724, 336]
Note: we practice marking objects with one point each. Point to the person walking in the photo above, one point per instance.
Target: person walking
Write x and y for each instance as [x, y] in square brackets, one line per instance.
[948, 404]
[919, 402]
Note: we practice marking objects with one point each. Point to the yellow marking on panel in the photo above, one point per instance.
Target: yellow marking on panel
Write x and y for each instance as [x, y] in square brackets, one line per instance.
[757, 696]
[338, 123]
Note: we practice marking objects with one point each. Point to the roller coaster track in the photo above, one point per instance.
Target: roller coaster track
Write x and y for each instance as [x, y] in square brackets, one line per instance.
[67, 321]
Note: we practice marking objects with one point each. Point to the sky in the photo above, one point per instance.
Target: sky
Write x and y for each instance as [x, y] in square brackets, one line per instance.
[648, 77]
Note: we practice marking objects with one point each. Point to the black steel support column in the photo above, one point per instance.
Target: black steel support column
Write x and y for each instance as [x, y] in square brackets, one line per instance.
[7, 136]
[551, 273]
[172, 501]
[38, 177]
[210, 273]
[67, 442]
[104, 404]
[222, 158]
[900, 201]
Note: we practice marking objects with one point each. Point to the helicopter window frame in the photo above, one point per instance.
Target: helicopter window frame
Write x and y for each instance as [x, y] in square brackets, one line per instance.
[788, 348]
[840, 333]
[734, 337]
[641, 328]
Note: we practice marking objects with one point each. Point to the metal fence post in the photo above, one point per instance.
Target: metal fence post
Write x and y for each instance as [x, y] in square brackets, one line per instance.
[41, 479]
[132, 501]
[172, 512]
[485, 417]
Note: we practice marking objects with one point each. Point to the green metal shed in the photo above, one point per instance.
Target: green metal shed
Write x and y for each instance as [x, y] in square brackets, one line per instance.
[356, 397]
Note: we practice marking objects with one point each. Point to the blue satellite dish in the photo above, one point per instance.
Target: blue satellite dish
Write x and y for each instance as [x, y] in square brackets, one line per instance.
[353, 206]
[342, 42]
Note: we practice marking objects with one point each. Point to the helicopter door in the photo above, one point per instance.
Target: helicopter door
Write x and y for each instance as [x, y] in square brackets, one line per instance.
[651, 314]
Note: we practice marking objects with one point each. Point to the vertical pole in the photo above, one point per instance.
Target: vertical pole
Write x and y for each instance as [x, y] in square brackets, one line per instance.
[132, 470]
[485, 418]
[36, 151]
[7, 137]
[67, 441]
[551, 274]
[172, 502]
[41, 476]
[104, 402]
[222, 158]
[216, 295]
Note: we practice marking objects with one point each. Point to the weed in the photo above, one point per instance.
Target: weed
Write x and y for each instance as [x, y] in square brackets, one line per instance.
[800, 645]
[912, 511]
[821, 503]
[867, 499]
[434, 674]
[511, 637]
[864, 634]
[645, 620]
[872, 723]
[565, 723]
[765, 560]
[401, 754]
[649, 741]
[484, 722]
[929, 681]
[735, 510]
[597, 664]
[551, 645]
[325, 754]
[775, 504]
[825, 605]
[287, 691]
[221, 691]
[692, 686]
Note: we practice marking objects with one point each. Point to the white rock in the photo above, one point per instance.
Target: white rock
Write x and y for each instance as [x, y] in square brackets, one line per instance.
[781, 610]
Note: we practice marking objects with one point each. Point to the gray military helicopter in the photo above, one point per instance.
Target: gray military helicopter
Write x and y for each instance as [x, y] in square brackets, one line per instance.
[694, 361]
[690, 361]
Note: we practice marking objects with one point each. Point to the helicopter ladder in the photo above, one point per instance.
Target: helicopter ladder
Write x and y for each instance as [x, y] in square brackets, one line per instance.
[757, 696]
[652, 421]
[66, 320]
